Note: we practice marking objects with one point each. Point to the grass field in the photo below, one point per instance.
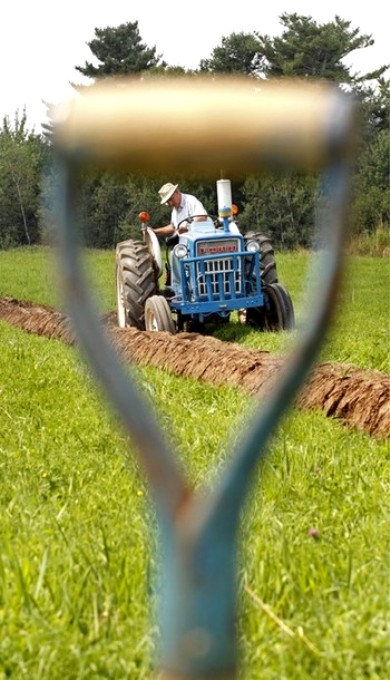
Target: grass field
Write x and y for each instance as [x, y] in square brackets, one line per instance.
[77, 536]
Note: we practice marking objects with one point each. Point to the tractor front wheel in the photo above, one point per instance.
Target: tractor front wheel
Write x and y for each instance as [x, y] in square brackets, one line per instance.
[277, 314]
[289, 322]
[278, 311]
[158, 315]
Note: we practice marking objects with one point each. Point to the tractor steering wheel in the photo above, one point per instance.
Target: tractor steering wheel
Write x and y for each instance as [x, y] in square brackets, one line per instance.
[174, 238]
[191, 218]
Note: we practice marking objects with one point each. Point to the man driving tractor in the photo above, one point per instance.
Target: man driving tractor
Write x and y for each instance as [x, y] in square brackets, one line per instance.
[183, 206]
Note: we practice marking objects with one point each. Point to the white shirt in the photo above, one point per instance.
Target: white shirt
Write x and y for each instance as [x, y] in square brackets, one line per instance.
[189, 206]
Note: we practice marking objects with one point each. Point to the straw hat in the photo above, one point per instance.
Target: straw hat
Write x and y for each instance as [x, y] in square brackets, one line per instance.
[166, 192]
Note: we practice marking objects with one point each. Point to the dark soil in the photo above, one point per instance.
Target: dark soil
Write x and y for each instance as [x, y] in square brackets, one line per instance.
[361, 399]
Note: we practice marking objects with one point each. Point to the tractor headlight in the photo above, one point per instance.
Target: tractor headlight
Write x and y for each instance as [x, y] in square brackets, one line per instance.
[252, 247]
[180, 251]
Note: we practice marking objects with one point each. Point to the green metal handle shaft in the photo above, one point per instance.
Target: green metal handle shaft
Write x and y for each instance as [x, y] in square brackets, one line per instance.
[311, 126]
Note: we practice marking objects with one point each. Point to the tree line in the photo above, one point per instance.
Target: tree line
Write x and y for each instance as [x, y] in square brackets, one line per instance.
[280, 205]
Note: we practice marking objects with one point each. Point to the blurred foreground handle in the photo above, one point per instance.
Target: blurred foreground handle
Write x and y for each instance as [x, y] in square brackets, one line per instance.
[198, 126]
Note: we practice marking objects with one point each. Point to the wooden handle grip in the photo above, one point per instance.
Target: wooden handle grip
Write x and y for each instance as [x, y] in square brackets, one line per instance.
[201, 125]
[227, 675]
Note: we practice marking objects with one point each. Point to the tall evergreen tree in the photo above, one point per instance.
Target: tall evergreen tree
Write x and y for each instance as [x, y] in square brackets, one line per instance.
[305, 49]
[119, 51]
[238, 53]
[310, 50]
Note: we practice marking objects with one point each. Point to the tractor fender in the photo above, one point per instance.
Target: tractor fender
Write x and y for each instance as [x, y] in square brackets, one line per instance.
[234, 228]
[154, 248]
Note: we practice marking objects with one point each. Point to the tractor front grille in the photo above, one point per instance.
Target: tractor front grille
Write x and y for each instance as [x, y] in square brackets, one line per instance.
[219, 273]
[219, 278]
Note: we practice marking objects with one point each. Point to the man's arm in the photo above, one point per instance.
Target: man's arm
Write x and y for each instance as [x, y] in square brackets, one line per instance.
[168, 230]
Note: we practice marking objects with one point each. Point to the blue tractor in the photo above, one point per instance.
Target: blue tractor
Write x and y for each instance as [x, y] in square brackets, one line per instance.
[218, 271]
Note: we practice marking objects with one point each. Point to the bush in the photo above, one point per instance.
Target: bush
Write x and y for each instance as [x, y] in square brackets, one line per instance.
[9, 238]
[375, 244]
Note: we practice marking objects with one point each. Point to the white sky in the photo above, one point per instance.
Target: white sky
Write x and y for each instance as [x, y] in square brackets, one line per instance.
[41, 41]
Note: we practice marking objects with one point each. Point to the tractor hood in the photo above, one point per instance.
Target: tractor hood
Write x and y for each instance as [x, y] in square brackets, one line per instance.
[207, 229]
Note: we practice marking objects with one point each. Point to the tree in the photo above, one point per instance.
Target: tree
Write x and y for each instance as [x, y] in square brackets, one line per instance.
[119, 51]
[284, 206]
[310, 50]
[21, 158]
[371, 206]
[109, 203]
[238, 53]
[280, 205]
[374, 103]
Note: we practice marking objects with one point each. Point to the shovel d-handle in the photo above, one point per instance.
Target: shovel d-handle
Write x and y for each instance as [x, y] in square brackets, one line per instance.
[200, 125]
[194, 125]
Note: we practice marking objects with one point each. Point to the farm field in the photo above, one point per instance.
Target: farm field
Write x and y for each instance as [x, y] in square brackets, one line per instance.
[78, 547]
[360, 332]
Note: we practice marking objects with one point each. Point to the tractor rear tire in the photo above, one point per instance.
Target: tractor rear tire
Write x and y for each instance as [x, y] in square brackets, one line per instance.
[267, 258]
[158, 315]
[136, 281]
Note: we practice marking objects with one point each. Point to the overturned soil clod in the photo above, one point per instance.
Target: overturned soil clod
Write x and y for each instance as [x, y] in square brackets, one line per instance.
[360, 398]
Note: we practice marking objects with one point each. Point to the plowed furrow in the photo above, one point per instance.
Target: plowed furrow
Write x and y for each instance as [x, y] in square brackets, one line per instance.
[360, 398]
